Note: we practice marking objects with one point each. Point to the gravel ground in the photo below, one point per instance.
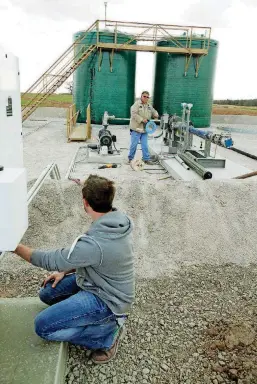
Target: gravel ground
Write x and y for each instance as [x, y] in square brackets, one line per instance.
[183, 329]
[194, 318]
[45, 142]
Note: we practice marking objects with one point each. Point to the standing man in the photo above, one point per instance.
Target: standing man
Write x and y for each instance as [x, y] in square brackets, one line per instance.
[90, 296]
[141, 113]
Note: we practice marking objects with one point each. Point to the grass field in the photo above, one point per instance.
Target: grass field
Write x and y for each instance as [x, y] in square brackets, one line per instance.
[233, 110]
[64, 100]
[61, 100]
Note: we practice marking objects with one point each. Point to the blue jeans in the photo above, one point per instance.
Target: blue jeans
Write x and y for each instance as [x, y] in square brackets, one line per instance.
[76, 316]
[135, 138]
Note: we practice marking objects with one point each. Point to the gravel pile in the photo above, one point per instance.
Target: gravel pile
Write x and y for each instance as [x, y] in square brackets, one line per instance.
[194, 319]
[184, 329]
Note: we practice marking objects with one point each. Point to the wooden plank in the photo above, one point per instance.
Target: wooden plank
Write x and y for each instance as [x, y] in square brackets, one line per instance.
[153, 48]
[88, 123]
[78, 133]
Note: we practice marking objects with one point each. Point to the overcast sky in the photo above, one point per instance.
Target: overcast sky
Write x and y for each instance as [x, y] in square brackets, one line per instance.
[38, 31]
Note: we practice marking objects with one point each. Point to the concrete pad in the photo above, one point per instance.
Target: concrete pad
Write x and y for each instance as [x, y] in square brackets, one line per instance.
[87, 161]
[43, 112]
[25, 357]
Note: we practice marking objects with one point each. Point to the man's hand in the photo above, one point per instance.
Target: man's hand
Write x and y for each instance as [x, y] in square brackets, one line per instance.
[56, 276]
[145, 121]
[24, 252]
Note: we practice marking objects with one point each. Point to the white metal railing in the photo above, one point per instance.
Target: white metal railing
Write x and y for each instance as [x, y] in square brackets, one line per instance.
[51, 170]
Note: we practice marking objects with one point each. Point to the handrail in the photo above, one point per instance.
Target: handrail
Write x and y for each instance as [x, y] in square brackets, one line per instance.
[143, 25]
[72, 116]
[57, 61]
[39, 97]
[52, 170]
[61, 72]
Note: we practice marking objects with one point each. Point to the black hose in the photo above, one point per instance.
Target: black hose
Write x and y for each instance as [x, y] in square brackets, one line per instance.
[156, 137]
[244, 153]
[116, 148]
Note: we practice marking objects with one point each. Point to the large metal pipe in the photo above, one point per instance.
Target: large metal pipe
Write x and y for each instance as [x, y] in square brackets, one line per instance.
[181, 162]
[244, 153]
[190, 160]
[206, 135]
[216, 138]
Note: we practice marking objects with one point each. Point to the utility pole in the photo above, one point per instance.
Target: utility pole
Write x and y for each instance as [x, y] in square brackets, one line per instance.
[105, 4]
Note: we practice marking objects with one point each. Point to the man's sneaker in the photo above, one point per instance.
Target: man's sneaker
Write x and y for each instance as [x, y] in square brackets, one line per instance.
[128, 162]
[150, 162]
[103, 356]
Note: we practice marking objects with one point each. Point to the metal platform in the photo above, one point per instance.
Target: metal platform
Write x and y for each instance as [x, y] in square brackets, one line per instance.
[179, 173]
[79, 133]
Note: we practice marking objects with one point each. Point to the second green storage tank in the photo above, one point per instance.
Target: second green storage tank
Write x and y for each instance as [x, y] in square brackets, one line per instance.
[172, 87]
[104, 90]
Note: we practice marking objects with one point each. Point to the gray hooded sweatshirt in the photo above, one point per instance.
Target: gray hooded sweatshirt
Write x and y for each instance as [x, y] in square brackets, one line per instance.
[103, 258]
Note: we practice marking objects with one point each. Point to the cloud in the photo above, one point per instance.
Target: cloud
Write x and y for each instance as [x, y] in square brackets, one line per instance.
[4, 5]
[250, 2]
[87, 11]
[209, 12]
[80, 10]
[214, 13]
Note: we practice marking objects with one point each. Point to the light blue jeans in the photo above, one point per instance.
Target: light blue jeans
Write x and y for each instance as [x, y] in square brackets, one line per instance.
[136, 137]
[76, 316]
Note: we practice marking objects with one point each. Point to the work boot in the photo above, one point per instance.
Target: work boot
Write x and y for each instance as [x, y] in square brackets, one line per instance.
[103, 356]
[150, 162]
[154, 158]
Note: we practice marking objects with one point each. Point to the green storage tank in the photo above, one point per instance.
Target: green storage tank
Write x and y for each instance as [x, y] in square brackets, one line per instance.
[105, 90]
[172, 87]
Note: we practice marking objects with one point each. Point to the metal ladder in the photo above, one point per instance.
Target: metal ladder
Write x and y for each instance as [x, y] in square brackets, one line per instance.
[57, 74]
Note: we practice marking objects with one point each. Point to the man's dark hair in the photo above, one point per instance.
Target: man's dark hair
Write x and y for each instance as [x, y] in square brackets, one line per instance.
[145, 92]
[99, 193]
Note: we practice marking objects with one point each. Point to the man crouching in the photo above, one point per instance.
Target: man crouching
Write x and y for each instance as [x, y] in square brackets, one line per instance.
[90, 295]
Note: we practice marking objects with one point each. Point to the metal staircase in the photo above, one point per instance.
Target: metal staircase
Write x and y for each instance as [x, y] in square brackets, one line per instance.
[57, 74]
